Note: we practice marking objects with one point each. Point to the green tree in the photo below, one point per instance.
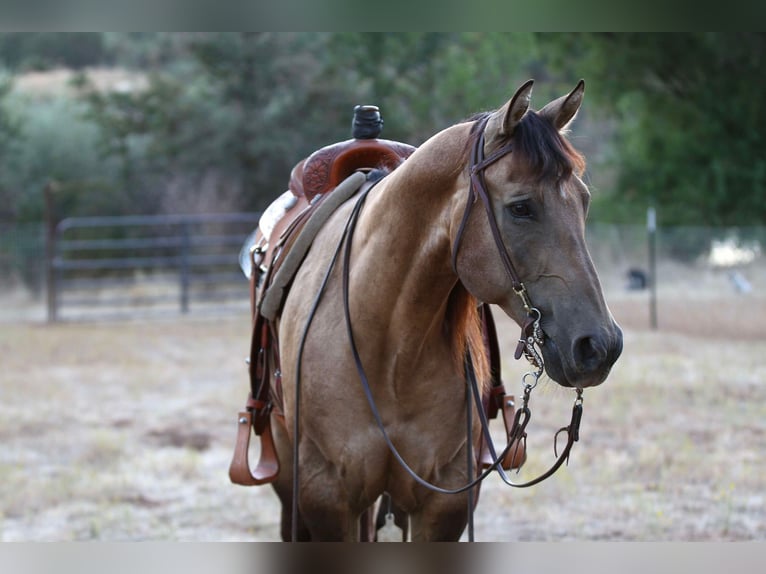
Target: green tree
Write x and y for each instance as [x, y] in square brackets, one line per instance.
[424, 82]
[688, 112]
[226, 122]
[10, 128]
[44, 50]
[54, 142]
[271, 86]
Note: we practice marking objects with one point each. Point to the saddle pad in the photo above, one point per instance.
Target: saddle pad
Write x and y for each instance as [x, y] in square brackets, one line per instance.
[274, 295]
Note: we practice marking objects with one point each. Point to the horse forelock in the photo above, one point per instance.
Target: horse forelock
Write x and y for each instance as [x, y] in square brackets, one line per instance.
[548, 156]
[538, 147]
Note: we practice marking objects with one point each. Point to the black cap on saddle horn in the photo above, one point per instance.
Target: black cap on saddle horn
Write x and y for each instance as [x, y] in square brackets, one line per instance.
[367, 123]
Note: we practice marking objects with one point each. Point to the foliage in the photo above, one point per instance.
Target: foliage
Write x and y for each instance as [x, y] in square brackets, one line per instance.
[40, 51]
[148, 132]
[52, 141]
[220, 118]
[689, 116]
[426, 81]
[263, 83]
[9, 133]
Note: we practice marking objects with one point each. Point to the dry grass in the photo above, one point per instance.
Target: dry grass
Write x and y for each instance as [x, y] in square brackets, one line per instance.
[670, 446]
[124, 432]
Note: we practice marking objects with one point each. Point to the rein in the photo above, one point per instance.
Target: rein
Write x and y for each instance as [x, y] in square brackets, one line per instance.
[517, 434]
[531, 336]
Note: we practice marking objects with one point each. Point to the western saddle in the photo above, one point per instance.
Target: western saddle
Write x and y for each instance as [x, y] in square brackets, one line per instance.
[318, 185]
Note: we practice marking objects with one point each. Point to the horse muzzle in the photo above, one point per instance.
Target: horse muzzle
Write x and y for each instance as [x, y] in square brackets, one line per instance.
[586, 361]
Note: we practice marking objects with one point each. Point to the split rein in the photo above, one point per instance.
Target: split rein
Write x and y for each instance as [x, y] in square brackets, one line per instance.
[532, 336]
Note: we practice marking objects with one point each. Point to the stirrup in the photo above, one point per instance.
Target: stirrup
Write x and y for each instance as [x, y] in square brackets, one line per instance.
[267, 469]
[515, 457]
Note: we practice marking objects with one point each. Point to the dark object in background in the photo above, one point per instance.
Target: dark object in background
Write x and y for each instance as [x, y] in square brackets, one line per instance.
[637, 279]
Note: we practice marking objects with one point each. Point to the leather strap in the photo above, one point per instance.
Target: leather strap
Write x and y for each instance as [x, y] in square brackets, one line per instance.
[479, 191]
[497, 401]
[300, 239]
[257, 417]
[515, 457]
[517, 433]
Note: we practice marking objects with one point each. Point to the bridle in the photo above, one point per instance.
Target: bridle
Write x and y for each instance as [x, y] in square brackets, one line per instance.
[532, 336]
[478, 190]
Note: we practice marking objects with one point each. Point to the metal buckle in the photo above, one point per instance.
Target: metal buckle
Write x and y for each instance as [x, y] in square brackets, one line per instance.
[521, 291]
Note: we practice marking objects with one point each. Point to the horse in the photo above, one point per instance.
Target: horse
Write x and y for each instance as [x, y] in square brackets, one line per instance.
[420, 256]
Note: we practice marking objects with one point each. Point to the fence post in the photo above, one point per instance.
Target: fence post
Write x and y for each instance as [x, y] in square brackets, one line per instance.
[651, 228]
[184, 267]
[50, 253]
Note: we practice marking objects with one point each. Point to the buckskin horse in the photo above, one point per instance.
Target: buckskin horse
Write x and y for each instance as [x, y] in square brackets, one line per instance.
[386, 306]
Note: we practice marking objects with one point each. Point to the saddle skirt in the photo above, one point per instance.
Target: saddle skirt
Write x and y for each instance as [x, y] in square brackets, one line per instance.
[326, 172]
[290, 239]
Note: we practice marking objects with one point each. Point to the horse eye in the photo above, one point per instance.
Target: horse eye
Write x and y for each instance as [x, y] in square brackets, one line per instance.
[520, 209]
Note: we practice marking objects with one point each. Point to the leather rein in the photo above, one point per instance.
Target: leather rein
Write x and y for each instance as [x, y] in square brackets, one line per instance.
[531, 336]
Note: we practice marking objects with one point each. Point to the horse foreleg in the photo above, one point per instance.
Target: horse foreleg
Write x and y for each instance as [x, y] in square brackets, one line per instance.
[284, 486]
[441, 518]
[326, 511]
[367, 525]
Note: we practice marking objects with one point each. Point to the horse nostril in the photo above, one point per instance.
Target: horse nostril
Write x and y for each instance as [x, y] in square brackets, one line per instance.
[589, 353]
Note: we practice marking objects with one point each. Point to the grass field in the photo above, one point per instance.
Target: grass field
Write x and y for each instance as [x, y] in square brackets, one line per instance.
[124, 431]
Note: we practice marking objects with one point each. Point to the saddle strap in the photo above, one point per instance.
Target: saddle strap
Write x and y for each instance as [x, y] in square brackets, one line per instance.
[267, 469]
[498, 401]
[264, 348]
[271, 303]
[257, 416]
[517, 455]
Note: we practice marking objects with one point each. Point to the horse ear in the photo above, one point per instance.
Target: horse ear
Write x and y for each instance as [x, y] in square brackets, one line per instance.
[560, 112]
[501, 123]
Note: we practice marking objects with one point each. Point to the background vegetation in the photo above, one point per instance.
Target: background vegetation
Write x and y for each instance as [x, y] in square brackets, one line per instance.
[214, 122]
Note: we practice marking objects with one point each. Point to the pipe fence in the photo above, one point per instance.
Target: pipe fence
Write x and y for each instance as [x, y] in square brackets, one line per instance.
[131, 264]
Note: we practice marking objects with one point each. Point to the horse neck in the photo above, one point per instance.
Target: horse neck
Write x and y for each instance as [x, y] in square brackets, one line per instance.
[402, 247]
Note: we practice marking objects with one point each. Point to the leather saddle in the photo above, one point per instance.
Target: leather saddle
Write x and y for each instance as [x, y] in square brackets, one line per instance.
[271, 256]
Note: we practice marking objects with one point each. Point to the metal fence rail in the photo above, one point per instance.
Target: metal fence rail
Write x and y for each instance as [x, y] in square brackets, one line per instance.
[114, 267]
[99, 265]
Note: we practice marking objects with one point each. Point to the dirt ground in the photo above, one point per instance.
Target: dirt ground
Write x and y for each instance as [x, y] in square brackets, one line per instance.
[124, 431]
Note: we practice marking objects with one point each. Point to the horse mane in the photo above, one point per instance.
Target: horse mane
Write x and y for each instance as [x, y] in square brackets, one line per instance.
[539, 145]
[464, 331]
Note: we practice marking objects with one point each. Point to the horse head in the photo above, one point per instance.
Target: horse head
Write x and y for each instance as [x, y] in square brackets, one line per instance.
[536, 206]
